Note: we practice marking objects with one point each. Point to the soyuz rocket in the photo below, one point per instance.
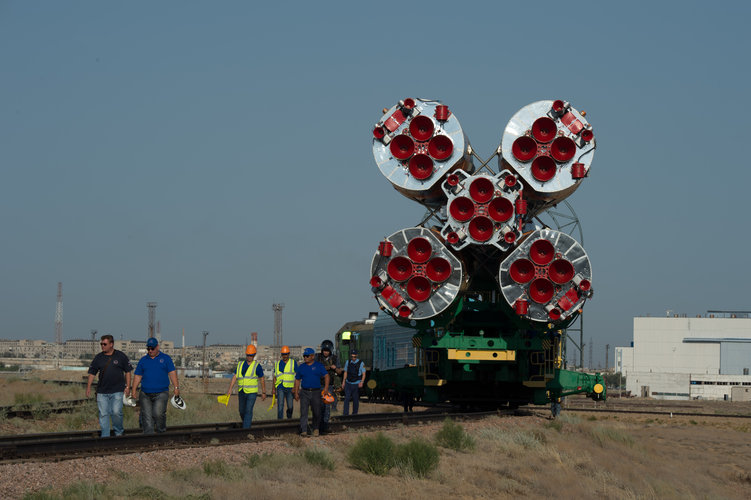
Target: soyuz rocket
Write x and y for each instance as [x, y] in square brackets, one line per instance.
[485, 238]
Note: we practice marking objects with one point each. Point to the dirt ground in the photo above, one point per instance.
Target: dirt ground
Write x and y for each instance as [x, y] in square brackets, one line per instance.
[579, 455]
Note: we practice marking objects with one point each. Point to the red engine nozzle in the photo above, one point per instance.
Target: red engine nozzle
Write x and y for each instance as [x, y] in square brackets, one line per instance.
[418, 288]
[558, 106]
[404, 311]
[543, 168]
[554, 314]
[542, 252]
[399, 269]
[462, 209]
[409, 103]
[440, 147]
[587, 135]
[375, 282]
[510, 181]
[402, 147]
[561, 271]
[563, 149]
[421, 166]
[452, 180]
[522, 271]
[421, 128]
[544, 129]
[500, 209]
[452, 238]
[481, 189]
[438, 269]
[509, 237]
[524, 148]
[481, 228]
[378, 132]
[541, 290]
[419, 250]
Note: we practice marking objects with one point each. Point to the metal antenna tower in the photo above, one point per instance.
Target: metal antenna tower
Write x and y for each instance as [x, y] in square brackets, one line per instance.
[152, 317]
[59, 314]
[278, 324]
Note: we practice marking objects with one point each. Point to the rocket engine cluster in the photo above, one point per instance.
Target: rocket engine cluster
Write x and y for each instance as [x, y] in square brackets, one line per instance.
[488, 237]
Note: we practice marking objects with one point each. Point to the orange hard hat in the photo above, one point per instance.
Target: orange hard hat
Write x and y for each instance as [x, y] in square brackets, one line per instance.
[251, 349]
[327, 397]
[285, 349]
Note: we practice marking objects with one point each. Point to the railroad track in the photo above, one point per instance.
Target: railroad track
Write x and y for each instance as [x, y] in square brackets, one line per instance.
[64, 446]
[668, 412]
[37, 410]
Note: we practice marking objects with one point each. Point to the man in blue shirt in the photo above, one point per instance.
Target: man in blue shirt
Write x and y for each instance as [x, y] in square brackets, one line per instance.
[354, 379]
[154, 372]
[308, 390]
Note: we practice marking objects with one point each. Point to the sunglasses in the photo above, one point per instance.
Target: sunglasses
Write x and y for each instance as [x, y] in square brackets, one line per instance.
[103, 343]
[150, 348]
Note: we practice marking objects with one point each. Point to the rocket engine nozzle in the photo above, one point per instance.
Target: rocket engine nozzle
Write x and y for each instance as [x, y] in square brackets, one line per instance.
[551, 272]
[420, 278]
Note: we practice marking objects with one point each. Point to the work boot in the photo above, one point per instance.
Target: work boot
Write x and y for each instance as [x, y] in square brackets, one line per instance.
[289, 413]
[316, 433]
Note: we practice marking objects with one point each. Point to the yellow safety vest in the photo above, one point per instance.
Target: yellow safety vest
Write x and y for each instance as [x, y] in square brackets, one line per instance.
[247, 383]
[287, 378]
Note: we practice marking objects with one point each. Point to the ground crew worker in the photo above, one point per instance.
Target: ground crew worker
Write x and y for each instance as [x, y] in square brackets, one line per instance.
[354, 380]
[247, 374]
[284, 382]
[329, 360]
[308, 378]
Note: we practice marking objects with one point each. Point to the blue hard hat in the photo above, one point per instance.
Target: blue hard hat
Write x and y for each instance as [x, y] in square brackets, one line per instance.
[308, 351]
[152, 342]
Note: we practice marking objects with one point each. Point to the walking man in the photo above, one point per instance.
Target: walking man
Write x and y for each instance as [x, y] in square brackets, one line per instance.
[308, 390]
[154, 372]
[329, 360]
[247, 374]
[355, 378]
[284, 382]
[114, 370]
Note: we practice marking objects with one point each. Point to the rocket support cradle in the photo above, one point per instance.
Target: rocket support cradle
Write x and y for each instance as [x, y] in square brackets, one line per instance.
[487, 269]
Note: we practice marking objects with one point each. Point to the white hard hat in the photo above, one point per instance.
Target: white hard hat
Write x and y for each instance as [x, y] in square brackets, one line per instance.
[129, 400]
[177, 402]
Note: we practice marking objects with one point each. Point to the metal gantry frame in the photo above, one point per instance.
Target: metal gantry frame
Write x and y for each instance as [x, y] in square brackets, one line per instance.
[565, 222]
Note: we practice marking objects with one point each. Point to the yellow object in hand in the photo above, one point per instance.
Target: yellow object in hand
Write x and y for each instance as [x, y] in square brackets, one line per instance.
[224, 399]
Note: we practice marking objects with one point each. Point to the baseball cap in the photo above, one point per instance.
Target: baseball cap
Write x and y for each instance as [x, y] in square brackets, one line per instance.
[308, 351]
[353, 351]
[152, 342]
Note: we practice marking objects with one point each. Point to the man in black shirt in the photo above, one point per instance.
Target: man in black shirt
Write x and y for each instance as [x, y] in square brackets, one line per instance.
[114, 380]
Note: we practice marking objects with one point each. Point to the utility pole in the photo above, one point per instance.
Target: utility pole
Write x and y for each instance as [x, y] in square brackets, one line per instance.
[152, 317]
[204, 370]
[278, 341]
[59, 323]
[591, 344]
[607, 351]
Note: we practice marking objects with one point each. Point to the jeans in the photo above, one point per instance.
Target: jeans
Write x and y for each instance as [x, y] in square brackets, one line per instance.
[284, 394]
[351, 392]
[154, 411]
[110, 406]
[310, 399]
[247, 401]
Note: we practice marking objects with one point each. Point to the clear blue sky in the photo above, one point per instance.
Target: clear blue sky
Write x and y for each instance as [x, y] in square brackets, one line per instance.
[215, 157]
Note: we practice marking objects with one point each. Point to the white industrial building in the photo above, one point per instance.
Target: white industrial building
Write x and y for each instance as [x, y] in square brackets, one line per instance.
[679, 357]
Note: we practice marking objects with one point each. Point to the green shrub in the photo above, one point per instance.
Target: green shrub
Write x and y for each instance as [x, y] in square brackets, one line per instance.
[220, 468]
[374, 455]
[83, 490]
[417, 459]
[254, 459]
[321, 458]
[453, 436]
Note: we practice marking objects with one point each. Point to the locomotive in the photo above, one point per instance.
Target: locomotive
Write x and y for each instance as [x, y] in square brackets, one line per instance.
[484, 289]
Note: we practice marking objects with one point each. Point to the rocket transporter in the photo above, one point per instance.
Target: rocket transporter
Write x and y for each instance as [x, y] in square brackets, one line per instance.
[488, 289]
